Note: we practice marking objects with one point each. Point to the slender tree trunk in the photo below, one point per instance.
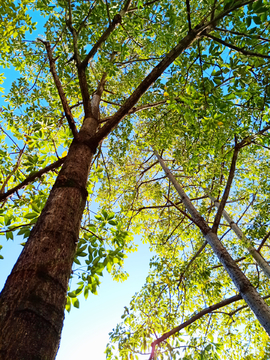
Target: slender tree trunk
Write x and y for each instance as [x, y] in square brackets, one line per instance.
[247, 291]
[253, 252]
[31, 320]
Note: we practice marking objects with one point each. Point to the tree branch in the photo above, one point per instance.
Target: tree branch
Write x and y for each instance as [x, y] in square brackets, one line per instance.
[13, 171]
[244, 307]
[191, 261]
[145, 84]
[187, 41]
[226, 191]
[32, 177]
[115, 21]
[86, 17]
[242, 34]
[192, 320]
[182, 211]
[263, 241]
[60, 90]
[188, 15]
[236, 48]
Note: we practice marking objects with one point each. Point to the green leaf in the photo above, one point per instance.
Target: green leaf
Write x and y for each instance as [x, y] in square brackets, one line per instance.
[76, 303]
[112, 222]
[9, 235]
[71, 294]
[30, 215]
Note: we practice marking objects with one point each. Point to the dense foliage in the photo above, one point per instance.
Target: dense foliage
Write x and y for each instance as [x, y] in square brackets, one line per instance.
[211, 103]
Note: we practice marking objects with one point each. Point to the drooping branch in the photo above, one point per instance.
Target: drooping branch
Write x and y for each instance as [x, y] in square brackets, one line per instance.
[227, 190]
[60, 90]
[236, 48]
[32, 178]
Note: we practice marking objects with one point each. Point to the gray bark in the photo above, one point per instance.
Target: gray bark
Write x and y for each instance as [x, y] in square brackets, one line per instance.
[247, 291]
[255, 254]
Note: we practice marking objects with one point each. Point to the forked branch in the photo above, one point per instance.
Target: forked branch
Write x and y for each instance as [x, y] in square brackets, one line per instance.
[60, 90]
[115, 21]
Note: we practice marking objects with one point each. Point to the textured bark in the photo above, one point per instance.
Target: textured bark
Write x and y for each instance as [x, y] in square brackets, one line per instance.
[33, 300]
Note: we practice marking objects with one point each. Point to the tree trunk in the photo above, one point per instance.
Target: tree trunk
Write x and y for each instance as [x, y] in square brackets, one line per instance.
[247, 291]
[33, 300]
[254, 253]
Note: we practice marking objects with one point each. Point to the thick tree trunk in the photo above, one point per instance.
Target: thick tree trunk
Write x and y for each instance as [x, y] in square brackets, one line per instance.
[31, 319]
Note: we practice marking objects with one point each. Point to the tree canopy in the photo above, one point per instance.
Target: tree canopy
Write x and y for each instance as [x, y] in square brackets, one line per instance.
[164, 95]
